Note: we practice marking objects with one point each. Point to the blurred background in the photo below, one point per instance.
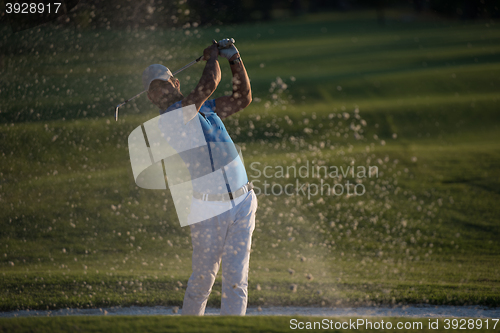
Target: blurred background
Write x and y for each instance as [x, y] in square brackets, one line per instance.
[408, 86]
[162, 13]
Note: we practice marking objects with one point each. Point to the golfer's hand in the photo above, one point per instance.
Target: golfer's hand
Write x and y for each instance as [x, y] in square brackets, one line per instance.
[227, 48]
[211, 52]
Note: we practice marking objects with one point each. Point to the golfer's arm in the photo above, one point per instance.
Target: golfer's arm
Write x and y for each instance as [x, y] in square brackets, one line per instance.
[208, 83]
[242, 93]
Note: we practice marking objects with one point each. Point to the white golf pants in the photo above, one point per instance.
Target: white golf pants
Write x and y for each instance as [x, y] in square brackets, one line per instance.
[222, 240]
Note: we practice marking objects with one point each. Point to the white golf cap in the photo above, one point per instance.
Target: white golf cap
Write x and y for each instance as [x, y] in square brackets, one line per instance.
[155, 72]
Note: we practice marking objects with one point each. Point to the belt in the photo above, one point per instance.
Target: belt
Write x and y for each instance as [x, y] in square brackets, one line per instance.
[224, 196]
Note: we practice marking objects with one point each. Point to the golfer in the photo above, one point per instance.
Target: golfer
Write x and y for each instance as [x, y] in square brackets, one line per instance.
[222, 239]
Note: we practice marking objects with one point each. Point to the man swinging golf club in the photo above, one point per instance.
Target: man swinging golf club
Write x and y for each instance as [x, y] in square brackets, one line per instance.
[223, 239]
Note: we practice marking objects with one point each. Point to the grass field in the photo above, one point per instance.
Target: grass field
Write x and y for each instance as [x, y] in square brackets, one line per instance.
[234, 324]
[420, 100]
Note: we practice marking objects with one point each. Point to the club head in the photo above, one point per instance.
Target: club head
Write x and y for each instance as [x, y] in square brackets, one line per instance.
[116, 113]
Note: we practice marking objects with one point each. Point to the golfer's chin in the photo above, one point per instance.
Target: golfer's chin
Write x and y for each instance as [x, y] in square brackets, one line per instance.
[164, 103]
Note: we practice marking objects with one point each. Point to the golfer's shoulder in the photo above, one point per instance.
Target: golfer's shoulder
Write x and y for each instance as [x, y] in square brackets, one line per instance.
[176, 105]
[208, 106]
[171, 118]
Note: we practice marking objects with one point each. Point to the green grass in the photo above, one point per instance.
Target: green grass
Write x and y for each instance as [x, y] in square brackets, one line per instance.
[77, 232]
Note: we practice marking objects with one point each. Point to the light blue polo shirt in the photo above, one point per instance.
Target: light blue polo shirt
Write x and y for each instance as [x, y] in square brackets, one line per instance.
[221, 151]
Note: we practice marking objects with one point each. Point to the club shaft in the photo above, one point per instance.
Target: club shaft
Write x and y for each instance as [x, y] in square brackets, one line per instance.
[187, 66]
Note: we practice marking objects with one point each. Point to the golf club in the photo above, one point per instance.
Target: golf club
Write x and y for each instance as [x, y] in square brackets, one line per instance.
[174, 73]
